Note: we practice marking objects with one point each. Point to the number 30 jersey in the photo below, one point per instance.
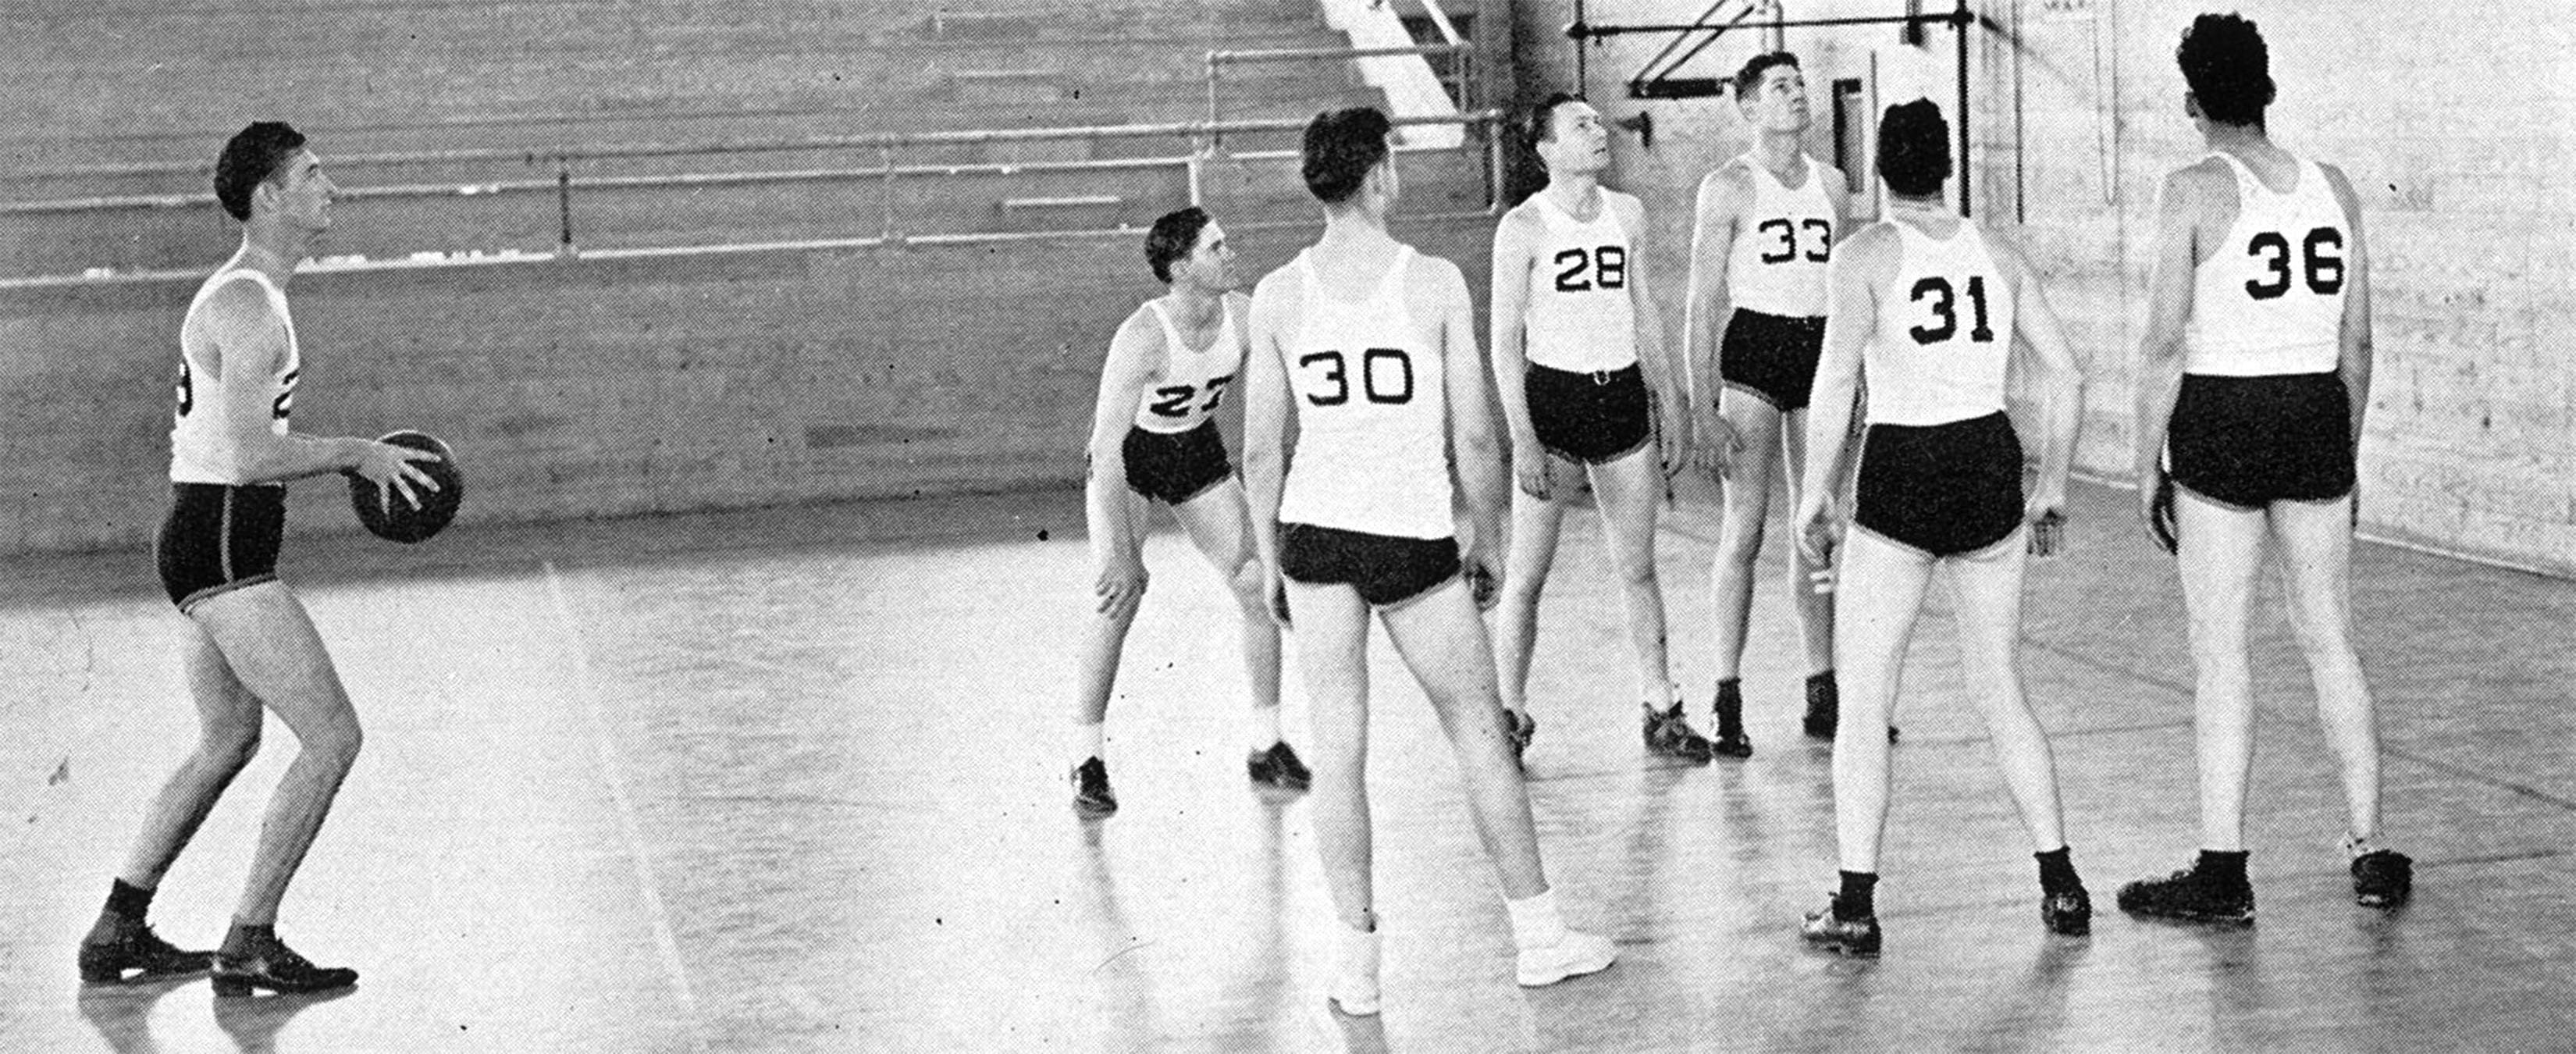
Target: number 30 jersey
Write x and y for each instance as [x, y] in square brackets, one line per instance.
[1944, 334]
[2270, 299]
[201, 451]
[1372, 451]
[1191, 383]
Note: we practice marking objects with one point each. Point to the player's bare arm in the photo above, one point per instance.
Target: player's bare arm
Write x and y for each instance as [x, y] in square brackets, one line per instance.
[2179, 223]
[1513, 256]
[1664, 376]
[250, 341]
[1862, 266]
[1134, 353]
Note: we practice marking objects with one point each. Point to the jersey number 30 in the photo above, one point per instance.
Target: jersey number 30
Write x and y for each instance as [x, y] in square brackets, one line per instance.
[1386, 376]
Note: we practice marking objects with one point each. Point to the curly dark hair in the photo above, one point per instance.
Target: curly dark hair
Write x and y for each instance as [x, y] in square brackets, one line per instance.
[1341, 147]
[1914, 148]
[1539, 124]
[1172, 238]
[252, 157]
[2228, 68]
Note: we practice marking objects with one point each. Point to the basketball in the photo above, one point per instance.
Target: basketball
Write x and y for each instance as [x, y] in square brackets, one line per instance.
[396, 520]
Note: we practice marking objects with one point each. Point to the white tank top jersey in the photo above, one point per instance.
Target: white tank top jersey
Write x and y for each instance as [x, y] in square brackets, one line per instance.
[201, 451]
[2270, 300]
[1945, 330]
[1777, 264]
[1372, 451]
[1579, 318]
[1191, 383]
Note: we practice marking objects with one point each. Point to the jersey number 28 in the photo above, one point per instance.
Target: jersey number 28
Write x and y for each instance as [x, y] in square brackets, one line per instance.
[1608, 266]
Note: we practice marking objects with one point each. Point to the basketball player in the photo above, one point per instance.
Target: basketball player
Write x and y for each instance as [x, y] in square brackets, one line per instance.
[1927, 308]
[1580, 362]
[1154, 439]
[1766, 225]
[1373, 346]
[250, 643]
[2252, 379]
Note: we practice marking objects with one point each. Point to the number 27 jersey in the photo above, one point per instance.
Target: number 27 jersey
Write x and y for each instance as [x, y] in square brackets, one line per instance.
[1372, 451]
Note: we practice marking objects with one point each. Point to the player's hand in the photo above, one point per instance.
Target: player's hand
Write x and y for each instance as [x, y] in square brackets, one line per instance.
[1483, 582]
[2156, 507]
[2045, 514]
[391, 468]
[1715, 446]
[1819, 534]
[1534, 467]
[1121, 587]
[1674, 447]
[1275, 586]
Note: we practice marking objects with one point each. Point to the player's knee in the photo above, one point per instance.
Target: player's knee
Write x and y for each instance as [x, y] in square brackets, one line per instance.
[335, 742]
[1246, 581]
[231, 745]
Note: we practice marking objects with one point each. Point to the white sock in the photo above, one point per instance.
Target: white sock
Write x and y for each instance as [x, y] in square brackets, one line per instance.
[1265, 727]
[2356, 846]
[1672, 697]
[1535, 921]
[1086, 742]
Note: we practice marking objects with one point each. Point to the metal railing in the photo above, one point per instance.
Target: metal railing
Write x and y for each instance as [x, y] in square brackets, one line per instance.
[1218, 60]
[886, 173]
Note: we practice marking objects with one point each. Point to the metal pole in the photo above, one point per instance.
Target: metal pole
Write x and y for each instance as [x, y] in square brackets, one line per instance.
[1578, 31]
[1214, 138]
[1959, 28]
[563, 204]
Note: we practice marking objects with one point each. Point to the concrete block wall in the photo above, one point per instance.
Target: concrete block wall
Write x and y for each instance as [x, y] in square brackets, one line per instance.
[2456, 122]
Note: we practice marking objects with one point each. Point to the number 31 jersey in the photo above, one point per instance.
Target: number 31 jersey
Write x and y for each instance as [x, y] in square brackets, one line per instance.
[1945, 331]
[2270, 299]
[1372, 450]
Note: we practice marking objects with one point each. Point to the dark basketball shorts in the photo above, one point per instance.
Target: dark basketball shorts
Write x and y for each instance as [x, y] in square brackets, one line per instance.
[1772, 356]
[1174, 467]
[1387, 571]
[1942, 490]
[1593, 418]
[217, 539]
[2247, 442]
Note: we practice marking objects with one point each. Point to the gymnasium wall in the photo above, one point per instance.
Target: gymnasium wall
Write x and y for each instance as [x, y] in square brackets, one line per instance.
[586, 386]
[2455, 120]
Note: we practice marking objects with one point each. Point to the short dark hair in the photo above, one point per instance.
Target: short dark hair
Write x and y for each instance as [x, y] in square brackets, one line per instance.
[1750, 77]
[1539, 124]
[1172, 238]
[2228, 68]
[251, 158]
[1914, 148]
[1341, 147]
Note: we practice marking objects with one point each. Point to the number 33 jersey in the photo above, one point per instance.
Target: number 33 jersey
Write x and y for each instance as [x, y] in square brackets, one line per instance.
[1191, 383]
[1944, 334]
[2270, 299]
[201, 450]
[1372, 451]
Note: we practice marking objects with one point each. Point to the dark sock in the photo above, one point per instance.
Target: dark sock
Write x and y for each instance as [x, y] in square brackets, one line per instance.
[1858, 899]
[128, 902]
[244, 937]
[1730, 707]
[2057, 871]
[2227, 870]
[1822, 696]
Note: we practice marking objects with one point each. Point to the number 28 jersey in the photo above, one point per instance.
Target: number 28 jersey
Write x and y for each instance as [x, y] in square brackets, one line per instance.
[201, 451]
[1191, 383]
[2270, 300]
[1372, 451]
[1944, 334]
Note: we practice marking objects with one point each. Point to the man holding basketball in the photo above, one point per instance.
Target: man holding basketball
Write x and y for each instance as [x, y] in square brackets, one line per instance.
[252, 644]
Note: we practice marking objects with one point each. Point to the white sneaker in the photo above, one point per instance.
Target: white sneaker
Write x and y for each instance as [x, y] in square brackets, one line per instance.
[1573, 955]
[1353, 987]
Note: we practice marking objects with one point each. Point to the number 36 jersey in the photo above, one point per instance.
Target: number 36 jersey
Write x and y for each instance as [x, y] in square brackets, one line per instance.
[2270, 299]
[1372, 451]
[201, 450]
[1944, 334]
[1191, 383]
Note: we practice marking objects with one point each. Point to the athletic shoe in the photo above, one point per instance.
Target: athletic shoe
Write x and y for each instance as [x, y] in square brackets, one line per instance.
[1573, 955]
[1731, 744]
[2189, 896]
[2382, 879]
[1830, 932]
[1824, 710]
[1524, 728]
[1353, 987]
[105, 958]
[270, 964]
[1091, 794]
[1668, 733]
[2069, 912]
[1276, 767]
